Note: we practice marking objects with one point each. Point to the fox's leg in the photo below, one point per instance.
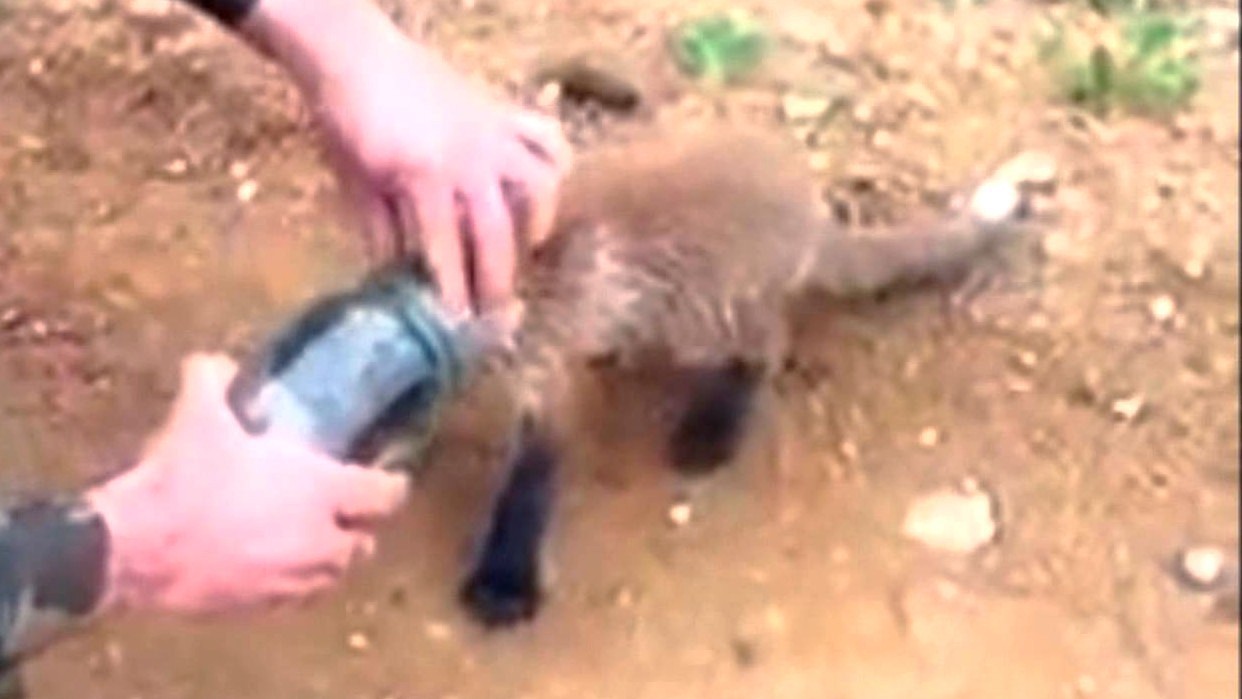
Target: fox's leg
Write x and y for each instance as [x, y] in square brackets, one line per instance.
[505, 585]
[718, 409]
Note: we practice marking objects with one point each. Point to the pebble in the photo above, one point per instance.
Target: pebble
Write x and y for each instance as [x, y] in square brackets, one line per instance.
[1128, 409]
[849, 450]
[31, 143]
[358, 641]
[864, 114]
[1201, 567]
[955, 520]
[549, 96]
[929, 437]
[1195, 269]
[438, 631]
[247, 190]
[150, 9]
[680, 514]
[1162, 308]
[177, 167]
[1222, 27]
[804, 107]
[1028, 359]
[1086, 686]
[11, 317]
[820, 161]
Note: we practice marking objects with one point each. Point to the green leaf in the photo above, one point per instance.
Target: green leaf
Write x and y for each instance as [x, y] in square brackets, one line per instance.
[719, 47]
[1150, 34]
[1103, 70]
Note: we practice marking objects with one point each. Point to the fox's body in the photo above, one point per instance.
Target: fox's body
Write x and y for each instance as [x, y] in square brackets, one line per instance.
[685, 252]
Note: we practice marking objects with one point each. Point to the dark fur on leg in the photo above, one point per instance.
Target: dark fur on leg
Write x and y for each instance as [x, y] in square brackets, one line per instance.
[505, 586]
[714, 423]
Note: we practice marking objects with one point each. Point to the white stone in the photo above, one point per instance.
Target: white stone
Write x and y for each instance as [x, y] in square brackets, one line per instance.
[802, 107]
[680, 514]
[1163, 308]
[1203, 565]
[951, 520]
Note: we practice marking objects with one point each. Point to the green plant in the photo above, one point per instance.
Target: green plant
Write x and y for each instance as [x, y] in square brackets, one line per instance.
[720, 48]
[1144, 63]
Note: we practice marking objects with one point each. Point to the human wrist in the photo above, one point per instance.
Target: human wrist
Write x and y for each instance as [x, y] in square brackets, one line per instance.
[317, 41]
[129, 506]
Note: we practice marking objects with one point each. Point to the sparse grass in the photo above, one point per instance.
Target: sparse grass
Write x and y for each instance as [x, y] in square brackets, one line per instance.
[1142, 62]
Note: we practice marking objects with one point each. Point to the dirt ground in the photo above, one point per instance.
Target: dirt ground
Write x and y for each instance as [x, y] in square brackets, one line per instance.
[1088, 381]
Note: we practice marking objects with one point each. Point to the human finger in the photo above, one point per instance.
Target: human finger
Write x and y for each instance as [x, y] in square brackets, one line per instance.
[539, 186]
[491, 228]
[440, 238]
[544, 136]
[363, 495]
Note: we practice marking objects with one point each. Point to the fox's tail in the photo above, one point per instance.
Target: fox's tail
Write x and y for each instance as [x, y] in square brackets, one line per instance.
[849, 264]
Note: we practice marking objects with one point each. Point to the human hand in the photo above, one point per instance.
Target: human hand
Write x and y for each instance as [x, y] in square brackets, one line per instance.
[430, 161]
[214, 519]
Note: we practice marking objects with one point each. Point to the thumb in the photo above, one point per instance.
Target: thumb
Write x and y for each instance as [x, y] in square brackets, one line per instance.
[204, 382]
[363, 495]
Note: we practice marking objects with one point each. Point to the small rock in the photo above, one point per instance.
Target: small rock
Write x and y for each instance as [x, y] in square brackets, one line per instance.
[624, 597]
[883, 140]
[864, 114]
[438, 631]
[1059, 246]
[358, 641]
[1162, 308]
[929, 437]
[1086, 686]
[247, 190]
[1201, 568]
[1222, 27]
[1028, 359]
[549, 96]
[31, 143]
[680, 514]
[1195, 269]
[820, 161]
[150, 9]
[955, 520]
[177, 167]
[797, 107]
[1128, 409]
[849, 450]
[238, 170]
[11, 317]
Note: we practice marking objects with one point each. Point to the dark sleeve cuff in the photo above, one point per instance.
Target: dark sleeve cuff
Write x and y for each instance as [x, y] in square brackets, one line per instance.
[228, 12]
[53, 569]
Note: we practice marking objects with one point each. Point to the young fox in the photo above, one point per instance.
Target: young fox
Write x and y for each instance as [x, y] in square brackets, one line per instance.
[685, 252]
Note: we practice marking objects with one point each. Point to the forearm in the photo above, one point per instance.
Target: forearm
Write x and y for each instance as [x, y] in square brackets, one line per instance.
[314, 40]
[53, 573]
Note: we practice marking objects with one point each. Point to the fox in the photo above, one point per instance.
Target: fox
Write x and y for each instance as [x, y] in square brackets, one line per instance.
[682, 252]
